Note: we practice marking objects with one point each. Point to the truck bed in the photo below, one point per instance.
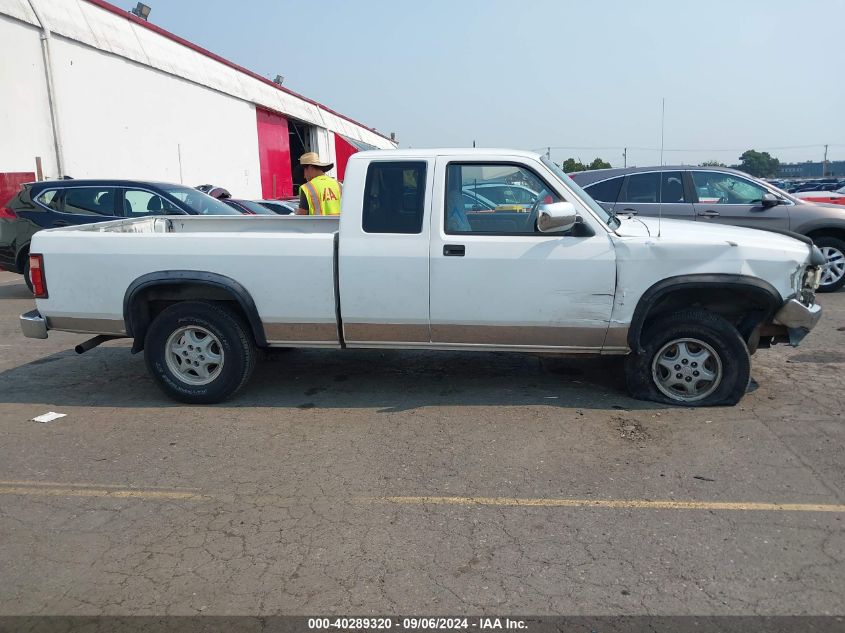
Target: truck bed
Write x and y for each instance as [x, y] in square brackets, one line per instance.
[285, 264]
[216, 224]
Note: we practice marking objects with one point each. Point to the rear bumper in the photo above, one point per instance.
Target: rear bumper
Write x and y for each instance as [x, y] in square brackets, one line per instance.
[33, 325]
[798, 318]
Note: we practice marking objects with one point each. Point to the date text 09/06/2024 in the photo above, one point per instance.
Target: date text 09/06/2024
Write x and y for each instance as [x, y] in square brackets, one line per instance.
[419, 623]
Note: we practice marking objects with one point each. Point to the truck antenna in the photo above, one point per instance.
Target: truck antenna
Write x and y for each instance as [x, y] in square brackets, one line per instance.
[660, 182]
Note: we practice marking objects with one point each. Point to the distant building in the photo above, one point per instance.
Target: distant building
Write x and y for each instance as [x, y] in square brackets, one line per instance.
[115, 96]
[809, 169]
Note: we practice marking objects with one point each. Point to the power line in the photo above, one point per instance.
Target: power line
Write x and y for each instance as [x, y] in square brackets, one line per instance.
[696, 149]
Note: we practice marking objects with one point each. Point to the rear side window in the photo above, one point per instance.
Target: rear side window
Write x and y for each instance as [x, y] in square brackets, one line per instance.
[654, 187]
[90, 200]
[49, 199]
[394, 196]
[606, 191]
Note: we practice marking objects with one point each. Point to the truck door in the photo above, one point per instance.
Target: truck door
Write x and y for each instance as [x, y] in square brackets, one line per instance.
[383, 253]
[496, 282]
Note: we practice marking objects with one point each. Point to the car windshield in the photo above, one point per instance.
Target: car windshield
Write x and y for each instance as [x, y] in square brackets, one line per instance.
[256, 208]
[199, 202]
[585, 197]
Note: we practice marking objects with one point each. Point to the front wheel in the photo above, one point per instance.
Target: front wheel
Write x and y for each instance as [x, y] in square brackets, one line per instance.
[693, 358]
[833, 272]
[199, 352]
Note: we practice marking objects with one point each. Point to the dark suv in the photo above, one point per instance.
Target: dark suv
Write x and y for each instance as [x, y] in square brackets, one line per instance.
[51, 204]
[724, 196]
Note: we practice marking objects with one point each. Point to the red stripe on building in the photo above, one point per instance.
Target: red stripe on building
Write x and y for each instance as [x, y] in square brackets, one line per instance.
[10, 183]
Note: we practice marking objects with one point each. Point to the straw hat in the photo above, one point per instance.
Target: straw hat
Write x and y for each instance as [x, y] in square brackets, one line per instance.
[312, 158]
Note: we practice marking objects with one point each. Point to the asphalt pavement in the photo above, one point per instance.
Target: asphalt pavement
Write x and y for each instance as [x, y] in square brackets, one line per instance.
[369, 482]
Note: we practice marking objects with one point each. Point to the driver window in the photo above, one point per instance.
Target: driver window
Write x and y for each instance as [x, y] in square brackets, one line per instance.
[715, 187]
[494, 198]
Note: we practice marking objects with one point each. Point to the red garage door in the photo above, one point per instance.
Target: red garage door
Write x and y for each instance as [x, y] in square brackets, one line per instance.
[343, 149]
[274, 155]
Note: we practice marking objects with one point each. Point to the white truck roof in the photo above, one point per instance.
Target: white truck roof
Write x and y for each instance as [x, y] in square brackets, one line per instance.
[485, 152]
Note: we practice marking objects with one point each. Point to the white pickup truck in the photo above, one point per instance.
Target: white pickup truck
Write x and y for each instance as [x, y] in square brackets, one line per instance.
[434, 249]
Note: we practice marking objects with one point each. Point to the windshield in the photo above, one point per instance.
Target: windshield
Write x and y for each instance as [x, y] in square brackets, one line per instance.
[585, 197]
[256, 208]
[199, 202]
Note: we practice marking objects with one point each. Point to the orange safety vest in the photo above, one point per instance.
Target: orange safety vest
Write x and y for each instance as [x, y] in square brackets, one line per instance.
[323, 195]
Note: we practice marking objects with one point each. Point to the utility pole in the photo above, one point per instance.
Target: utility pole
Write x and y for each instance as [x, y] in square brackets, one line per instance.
[625, 157]
[824, 163]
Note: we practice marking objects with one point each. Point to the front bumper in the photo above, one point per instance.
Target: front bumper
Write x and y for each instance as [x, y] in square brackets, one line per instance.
[33, 325]
[798, 318]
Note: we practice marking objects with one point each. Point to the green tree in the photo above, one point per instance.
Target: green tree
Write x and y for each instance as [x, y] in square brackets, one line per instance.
[570, 165]
[712, 163]
[760, 164]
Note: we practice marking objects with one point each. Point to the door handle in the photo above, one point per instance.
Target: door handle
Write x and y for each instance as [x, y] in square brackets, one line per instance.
[629, 210]
[59, 223]
[709, 214]
[454, 250]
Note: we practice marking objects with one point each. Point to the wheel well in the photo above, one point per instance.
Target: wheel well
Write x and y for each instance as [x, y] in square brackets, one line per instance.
[831, 232]
[744, 306]
[146, 303]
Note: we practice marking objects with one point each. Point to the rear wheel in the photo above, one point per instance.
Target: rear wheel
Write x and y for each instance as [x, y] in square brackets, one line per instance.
[199, 352]
[833, 273]
[26, 273]
[693, 358]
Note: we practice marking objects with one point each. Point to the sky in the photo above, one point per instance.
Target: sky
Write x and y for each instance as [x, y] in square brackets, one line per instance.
[584, 78]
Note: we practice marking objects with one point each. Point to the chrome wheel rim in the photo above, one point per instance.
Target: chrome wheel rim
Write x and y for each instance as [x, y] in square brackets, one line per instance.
[687, 370]
[194, 355]
[834, 267]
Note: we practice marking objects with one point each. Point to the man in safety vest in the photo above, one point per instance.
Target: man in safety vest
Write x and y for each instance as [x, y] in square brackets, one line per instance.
[320, 195]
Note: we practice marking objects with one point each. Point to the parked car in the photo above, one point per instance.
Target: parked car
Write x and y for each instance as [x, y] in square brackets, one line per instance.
[502, 193]
[247, 207]
[724, 196]
[214, 191]
[285, 206]
[54, 203]
[402, 268]
[830, 197]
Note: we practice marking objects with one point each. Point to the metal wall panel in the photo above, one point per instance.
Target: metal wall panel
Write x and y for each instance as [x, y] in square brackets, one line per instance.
[105, 27]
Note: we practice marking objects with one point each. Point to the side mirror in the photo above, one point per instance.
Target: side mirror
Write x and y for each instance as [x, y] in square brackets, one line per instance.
[557, 217]
[769, 200]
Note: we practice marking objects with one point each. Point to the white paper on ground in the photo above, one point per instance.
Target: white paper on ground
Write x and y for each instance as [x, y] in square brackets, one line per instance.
[49, 417]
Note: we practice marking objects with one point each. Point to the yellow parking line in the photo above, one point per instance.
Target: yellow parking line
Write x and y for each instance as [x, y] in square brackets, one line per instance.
[64, 491]
[61, 484]
[54, 489]
[615, 503]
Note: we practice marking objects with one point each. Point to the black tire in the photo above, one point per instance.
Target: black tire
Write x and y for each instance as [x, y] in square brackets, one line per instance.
[697, 326]
[233, 343]
[831, 244]
[26, 274]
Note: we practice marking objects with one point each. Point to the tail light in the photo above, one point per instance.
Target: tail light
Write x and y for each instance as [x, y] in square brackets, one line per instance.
[7, 214]
[37, 276]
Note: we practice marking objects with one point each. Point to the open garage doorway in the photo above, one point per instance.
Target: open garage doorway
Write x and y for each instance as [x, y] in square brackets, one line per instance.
[301, 141]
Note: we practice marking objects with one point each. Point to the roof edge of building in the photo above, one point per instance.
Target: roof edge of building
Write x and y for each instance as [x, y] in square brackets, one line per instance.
[103, 4]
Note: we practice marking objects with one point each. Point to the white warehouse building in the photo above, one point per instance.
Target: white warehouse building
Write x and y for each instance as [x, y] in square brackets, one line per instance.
[92, 91]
